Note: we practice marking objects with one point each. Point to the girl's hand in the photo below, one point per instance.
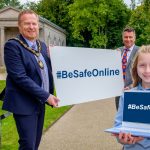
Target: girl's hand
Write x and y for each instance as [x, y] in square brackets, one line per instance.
[138, 138]
[126, 88]
[127, 138]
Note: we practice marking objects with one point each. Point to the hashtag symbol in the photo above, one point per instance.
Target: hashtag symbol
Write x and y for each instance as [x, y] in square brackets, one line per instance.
[129, 106]
[58, 74]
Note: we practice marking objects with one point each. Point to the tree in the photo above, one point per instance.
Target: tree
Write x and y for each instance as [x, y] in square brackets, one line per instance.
[90, 23]
[57, 12]
[30, 5]
[133, 4]
[140, 20]
[13, 3]
[98, 23]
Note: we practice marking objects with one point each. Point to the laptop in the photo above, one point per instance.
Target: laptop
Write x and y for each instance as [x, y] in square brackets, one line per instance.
[136, 114]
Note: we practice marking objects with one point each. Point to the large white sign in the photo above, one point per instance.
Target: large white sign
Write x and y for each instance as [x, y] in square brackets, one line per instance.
[86, 74]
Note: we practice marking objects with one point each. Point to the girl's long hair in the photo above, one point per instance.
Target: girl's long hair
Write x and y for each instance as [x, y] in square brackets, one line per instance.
[136, 79]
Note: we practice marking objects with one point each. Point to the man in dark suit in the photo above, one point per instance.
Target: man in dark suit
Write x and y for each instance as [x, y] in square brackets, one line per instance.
[128, 37]
[29, 83]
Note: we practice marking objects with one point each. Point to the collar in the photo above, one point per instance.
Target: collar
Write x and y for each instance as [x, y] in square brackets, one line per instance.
[29, 42]
[131, 48]
[139, 87]
[24, 43]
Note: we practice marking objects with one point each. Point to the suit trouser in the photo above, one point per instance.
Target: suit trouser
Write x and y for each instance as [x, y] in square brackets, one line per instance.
[30, 128]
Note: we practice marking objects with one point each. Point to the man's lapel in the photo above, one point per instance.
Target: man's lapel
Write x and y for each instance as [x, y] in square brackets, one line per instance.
[33, 58]
[131, 55]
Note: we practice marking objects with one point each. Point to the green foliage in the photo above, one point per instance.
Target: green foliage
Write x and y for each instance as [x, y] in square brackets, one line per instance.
[140, 20]
[98, 23]
[30, 5]
[13, 3]
[90, 23]
[57, 12]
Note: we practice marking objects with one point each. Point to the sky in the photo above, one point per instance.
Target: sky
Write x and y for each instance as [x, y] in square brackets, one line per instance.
[25, 1]
[128, 2]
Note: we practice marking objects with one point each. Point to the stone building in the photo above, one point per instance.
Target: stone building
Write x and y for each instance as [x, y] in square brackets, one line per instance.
[50, 33]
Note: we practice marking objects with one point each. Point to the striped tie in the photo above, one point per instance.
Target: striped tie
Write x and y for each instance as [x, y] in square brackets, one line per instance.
[124, 62]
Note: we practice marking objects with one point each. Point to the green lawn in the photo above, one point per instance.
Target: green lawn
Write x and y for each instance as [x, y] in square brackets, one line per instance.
[2, 85]
[8, 129]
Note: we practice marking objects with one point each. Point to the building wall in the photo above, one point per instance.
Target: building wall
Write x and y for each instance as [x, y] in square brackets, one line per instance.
[49, 32]
[52, 36]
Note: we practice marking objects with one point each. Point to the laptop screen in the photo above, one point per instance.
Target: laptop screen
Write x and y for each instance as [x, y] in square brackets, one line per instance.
[136, 114]
[136, 107]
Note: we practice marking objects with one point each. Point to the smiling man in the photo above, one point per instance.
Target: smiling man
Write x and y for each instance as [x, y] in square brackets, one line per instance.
[29, 83]
[128, 51]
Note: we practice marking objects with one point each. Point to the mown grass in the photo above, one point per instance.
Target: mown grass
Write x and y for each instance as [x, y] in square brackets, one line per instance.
[8, 131]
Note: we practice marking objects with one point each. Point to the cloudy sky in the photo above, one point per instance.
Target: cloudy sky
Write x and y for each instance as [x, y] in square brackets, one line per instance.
[24, 1]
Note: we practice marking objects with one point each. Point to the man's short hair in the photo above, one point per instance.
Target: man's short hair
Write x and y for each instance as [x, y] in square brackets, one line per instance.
[27, 11]
[128, 29]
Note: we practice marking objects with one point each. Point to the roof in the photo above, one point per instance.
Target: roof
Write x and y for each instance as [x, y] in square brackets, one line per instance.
[11, 13]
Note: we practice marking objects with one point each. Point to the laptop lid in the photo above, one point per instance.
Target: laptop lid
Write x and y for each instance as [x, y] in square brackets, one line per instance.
[136, 109]
[136, 114]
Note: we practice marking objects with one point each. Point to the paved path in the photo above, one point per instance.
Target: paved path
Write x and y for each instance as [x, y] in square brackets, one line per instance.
[82, 128]
[2, 76]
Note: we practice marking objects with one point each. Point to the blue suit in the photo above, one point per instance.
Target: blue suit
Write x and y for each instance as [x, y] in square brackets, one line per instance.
[24, 96]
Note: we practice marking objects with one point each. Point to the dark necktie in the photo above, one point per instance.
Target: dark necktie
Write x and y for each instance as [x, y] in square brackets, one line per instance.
[124, 62]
